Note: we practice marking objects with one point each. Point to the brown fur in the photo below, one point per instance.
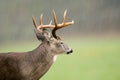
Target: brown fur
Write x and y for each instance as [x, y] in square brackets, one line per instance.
[27, 65]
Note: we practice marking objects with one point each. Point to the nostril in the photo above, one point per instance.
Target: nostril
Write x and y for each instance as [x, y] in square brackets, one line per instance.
[70, 51]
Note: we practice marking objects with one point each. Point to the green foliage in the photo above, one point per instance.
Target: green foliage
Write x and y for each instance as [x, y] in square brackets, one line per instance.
[93, 59]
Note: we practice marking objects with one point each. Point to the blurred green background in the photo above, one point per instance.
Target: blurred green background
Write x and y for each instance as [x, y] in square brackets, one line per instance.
[95, 36]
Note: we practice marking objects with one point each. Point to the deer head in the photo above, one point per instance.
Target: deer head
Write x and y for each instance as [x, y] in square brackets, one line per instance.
[47, 34]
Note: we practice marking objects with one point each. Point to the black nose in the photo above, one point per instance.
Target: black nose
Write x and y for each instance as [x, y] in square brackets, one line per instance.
[70, 51]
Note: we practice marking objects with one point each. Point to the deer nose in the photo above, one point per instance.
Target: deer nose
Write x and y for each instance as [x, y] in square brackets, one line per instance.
[70, 51]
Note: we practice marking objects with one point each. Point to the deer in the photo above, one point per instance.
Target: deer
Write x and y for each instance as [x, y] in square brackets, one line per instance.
[32, 65]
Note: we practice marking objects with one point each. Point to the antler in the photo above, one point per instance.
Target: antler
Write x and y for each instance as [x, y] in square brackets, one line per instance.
[38, 28]
[54, 27]
[58, 26]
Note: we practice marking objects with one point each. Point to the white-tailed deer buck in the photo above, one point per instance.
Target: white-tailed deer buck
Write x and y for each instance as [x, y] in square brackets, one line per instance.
[34, 64]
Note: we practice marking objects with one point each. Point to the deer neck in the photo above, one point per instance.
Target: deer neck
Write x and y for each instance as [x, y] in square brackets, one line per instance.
[43, 53]
[42, 60]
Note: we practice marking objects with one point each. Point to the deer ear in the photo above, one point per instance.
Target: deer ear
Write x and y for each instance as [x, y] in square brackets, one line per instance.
[44, 35]
[39, 35]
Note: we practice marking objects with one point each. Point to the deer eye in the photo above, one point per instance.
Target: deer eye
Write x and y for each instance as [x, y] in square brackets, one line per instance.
[61, 42]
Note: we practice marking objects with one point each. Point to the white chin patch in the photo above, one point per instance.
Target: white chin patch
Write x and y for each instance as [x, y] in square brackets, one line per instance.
[54, 58]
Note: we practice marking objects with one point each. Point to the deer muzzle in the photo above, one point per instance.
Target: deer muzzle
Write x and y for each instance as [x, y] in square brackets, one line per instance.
[69, 51]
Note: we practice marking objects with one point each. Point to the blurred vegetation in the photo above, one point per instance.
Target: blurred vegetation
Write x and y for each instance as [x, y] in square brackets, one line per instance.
[91, 17]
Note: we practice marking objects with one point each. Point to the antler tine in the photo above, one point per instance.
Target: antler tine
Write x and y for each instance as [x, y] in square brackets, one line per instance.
[34, 22]
[41, 19]
[55, 18]
[63, 20]
[50, 22]
[56, 25]
[64, 16]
